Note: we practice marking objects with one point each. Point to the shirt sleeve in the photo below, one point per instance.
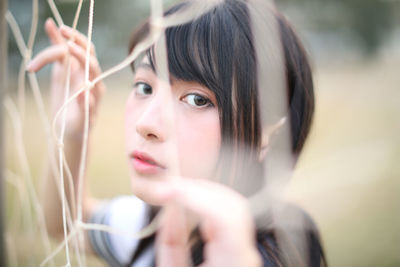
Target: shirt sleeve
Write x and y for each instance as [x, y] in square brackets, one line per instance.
[127, 215]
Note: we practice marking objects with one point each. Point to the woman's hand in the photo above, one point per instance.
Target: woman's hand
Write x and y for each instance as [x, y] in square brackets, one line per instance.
[59, 53]
[225, 223]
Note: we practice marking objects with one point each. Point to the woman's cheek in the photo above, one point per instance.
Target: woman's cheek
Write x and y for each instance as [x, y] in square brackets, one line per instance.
[130, 121]
[199, 142]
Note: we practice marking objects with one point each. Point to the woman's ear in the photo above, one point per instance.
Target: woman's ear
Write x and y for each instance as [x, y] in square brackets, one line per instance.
[267, 133]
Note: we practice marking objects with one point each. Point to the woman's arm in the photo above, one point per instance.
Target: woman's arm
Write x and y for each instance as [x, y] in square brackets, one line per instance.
[58, 54]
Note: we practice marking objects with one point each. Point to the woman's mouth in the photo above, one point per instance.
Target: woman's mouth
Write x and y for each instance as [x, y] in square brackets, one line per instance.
[144, 164]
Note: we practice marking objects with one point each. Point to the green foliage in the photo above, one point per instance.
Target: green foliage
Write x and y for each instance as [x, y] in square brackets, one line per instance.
[367, 22]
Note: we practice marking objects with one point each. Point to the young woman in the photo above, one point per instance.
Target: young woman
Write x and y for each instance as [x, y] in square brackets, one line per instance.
[183, 125]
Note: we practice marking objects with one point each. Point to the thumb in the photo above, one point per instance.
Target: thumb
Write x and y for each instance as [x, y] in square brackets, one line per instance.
[172, 238]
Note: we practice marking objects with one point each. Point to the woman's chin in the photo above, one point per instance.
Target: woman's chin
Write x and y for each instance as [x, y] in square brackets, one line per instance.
[155, 191]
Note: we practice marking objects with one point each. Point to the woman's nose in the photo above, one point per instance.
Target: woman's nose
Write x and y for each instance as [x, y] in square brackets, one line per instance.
[152, 123]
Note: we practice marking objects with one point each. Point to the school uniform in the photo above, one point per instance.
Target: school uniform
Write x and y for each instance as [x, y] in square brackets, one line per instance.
[128, 215]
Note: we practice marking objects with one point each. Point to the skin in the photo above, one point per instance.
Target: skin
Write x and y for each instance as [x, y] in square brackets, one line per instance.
[57, 54]
[177, 125]
[184, 190]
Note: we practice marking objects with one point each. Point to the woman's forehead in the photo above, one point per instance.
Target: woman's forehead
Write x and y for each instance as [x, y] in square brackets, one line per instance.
[142, 61]
[143, 64]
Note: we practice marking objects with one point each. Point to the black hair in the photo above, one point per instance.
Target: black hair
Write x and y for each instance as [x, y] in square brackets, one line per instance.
[217, 51]
[226, 63]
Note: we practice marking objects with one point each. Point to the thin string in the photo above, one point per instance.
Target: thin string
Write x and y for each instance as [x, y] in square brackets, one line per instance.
[140, 48]
[16, 32]
[180, 17]
[35, 19]
[17, 127]
[162, 71]
[86, 116]
[26, 57]
[145, 232]
[157, 30]
[26, 54]
[77, 14]
[32, 77]
[46, 125]
[59, 248]
[61, 163]
[55, 12]
[148, 42]
[62, 160]
[40, 105]
[82, 164]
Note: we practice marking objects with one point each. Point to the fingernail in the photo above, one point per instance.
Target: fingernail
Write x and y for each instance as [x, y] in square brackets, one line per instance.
[49, 20]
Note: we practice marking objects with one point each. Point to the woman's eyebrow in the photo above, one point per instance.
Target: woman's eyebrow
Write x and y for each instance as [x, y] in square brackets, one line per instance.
[144, 65]
[148, 66]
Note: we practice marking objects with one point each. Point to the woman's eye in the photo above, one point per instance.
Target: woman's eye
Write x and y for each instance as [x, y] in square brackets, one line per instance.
[197, 101]
[142, 88]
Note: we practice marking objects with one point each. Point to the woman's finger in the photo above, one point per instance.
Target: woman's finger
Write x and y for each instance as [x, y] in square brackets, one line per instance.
[53, 32]
[172, 238]
[225, 224]
[79, 38]
[49, 55]
[92, 104]
[80, 54]
[213, 201]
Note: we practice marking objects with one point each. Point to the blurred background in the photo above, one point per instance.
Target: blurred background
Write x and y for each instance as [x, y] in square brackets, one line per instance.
[348, 177]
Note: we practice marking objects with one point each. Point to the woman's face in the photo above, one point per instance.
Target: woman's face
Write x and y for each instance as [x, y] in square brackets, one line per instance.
[171, 129]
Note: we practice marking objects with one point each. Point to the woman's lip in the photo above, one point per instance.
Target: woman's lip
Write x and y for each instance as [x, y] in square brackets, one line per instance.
[145, 164]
